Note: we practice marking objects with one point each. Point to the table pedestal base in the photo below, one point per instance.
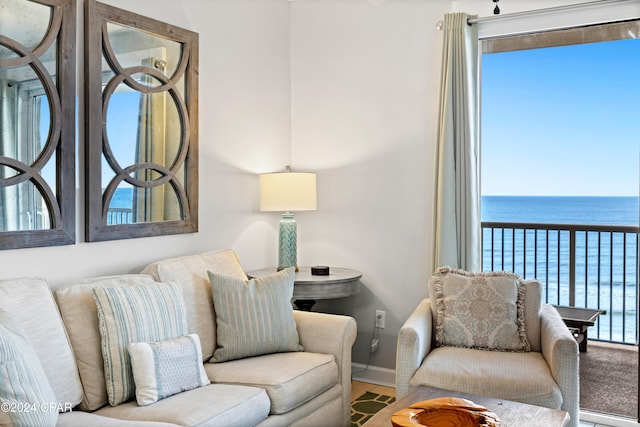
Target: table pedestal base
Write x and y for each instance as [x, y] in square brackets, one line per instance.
[304, 304]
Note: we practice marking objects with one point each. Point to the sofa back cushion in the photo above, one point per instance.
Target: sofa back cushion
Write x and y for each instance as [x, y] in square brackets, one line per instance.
[191, 272]
[30, 303]
[80, 315]
[23, 382]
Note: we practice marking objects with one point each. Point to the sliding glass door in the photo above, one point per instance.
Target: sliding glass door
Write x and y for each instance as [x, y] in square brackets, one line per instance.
[560, 178]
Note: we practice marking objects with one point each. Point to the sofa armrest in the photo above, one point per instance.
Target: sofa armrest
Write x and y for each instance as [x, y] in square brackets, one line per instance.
[560, 350]
[414, 343]
[330, 334]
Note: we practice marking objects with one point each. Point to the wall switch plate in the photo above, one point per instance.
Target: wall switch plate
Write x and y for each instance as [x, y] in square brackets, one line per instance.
[380, 319]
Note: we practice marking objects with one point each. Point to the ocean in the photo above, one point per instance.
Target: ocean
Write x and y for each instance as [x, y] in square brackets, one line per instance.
[122, 198]
[606, 262]
[561, 210]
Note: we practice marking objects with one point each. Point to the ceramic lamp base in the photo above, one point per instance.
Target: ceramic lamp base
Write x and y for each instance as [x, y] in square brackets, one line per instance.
[287, 242]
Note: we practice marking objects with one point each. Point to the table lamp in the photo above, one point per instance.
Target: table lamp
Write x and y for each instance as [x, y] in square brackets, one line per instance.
[287, 192]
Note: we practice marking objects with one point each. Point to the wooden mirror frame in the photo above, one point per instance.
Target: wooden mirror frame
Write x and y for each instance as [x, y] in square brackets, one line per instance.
[97, 17]
[60, 91]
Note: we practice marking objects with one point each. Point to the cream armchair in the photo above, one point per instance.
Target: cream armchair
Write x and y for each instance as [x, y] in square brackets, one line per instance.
[545, 376]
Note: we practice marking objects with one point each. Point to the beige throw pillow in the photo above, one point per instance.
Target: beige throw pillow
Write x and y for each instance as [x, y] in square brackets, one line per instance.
[479, 310]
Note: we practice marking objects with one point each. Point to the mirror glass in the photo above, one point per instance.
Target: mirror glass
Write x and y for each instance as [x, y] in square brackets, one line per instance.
[37, 121]
[142, 126]
[131, 47]
[25, 22]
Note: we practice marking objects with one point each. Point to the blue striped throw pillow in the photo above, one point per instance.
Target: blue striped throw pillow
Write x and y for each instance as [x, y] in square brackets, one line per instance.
[141, 313]
[253, 317]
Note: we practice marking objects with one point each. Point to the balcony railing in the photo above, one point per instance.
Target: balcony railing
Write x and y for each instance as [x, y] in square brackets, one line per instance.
[119, 216]
[591, 266]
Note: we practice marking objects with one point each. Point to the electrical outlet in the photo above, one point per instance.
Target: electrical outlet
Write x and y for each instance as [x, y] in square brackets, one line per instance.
[374, 345]
[380, 318]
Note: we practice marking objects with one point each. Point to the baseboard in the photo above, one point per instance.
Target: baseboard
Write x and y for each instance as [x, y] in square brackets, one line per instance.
[608, 420]
[373, 375]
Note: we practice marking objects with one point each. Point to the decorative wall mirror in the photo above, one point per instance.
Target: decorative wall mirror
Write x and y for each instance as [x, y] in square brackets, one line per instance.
[141, 87]
[37, 123]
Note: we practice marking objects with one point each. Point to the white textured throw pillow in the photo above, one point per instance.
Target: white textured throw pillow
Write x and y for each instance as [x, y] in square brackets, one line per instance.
[479, 310]
[165, 368]
[25, 393]
[254, 317]
[144, 313]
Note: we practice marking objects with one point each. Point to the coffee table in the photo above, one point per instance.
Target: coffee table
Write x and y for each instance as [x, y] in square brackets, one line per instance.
[511, 414]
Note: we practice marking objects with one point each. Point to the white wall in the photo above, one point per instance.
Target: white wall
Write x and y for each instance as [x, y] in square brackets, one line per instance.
[364, 78]
[244, 129]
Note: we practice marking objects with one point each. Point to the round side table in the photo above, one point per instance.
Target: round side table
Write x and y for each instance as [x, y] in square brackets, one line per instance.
[307, 288]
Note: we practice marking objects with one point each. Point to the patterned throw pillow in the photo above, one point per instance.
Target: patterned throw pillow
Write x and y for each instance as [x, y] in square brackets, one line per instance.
[254, 317]
[165, 368]
[144, 313]
[25, 393]
[479, 310]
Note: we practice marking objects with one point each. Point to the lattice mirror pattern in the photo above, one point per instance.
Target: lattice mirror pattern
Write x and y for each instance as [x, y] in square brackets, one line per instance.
[141, 126]
[37, 123]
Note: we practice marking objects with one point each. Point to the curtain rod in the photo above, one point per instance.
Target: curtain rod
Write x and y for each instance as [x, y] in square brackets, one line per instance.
[472, 21]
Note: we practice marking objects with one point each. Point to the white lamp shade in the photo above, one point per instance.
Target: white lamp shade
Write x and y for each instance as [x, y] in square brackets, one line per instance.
[288, 191]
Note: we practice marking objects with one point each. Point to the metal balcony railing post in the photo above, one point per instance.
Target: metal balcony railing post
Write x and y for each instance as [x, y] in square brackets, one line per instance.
[572, 267]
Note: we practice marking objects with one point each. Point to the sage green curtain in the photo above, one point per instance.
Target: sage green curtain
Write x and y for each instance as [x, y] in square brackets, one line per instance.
[457, 205]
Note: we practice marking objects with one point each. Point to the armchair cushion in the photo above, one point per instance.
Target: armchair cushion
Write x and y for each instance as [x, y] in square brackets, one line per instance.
[522, 377]
[479, 310]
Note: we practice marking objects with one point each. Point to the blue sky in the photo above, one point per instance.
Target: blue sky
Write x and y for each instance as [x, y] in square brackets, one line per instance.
[562, 121]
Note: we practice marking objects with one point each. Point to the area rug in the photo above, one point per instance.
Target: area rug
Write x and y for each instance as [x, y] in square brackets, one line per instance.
[609, 379]
[365, 406]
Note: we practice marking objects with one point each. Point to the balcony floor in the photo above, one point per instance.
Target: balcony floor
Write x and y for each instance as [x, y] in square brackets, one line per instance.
[609, 379]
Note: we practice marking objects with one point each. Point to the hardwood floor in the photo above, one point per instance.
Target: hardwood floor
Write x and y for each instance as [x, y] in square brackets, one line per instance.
[358, 388]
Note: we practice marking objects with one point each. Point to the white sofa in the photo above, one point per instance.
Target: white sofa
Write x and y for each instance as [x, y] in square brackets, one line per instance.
[546, 376]
[310, 387]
